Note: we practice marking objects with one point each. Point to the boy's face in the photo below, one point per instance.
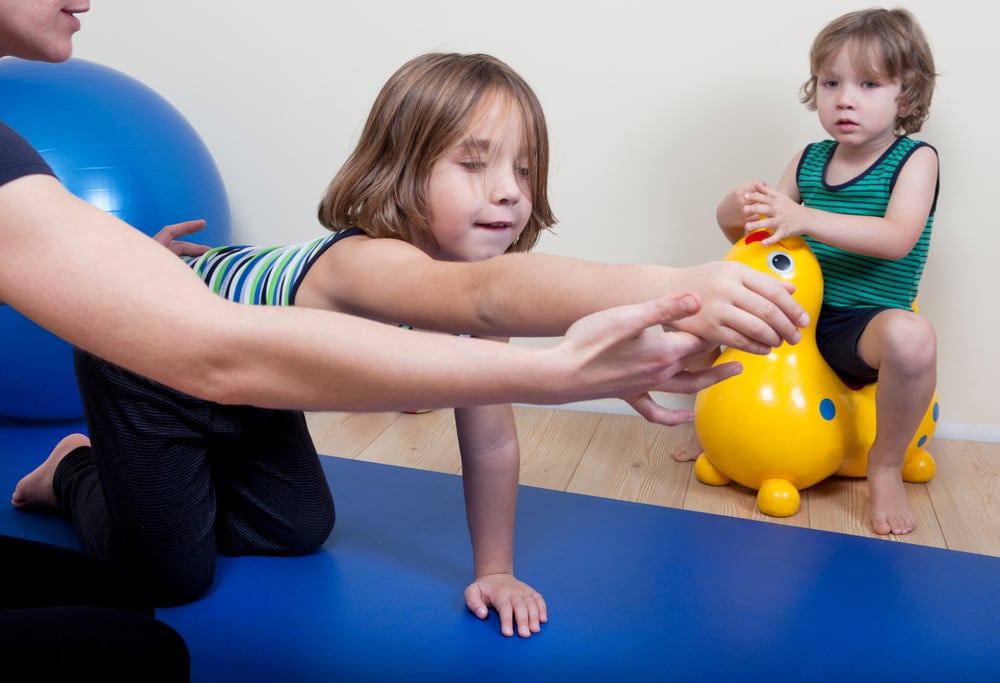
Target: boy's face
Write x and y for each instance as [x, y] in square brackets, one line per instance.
[479, 196]
[855, 106]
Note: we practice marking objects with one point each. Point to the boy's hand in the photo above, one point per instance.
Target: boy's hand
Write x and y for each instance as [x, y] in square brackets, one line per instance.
[768, 209]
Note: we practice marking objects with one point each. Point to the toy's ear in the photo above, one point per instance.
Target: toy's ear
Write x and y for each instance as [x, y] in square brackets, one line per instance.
[757, 236]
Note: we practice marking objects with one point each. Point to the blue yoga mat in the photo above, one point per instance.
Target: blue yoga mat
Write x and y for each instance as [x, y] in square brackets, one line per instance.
[635, 593]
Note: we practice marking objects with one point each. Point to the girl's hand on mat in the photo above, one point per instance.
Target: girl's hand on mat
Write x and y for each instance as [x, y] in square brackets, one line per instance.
[513, 600]
[169, 234]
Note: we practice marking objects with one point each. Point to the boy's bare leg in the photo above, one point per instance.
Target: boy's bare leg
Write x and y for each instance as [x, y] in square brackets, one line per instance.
[905, 349]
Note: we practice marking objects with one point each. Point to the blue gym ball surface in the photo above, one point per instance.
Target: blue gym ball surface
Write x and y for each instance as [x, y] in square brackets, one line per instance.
[119, 145]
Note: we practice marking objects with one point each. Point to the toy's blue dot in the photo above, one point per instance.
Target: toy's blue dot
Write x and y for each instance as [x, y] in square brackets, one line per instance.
[923, 440]
[937, 407]
[827, 409]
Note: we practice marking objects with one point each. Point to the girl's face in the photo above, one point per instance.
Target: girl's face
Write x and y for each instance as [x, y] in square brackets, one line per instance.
[856, 108]
[478, 193]
[40, 29]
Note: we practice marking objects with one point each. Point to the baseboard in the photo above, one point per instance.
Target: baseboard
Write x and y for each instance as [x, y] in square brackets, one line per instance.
[965, 432]
[945, 430]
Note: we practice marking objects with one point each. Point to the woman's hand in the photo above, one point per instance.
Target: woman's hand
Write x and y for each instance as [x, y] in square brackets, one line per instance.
[169, 234]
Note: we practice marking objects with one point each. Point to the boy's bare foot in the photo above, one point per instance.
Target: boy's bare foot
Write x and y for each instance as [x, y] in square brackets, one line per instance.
[690, 450]
[35, 488]
[890, 508]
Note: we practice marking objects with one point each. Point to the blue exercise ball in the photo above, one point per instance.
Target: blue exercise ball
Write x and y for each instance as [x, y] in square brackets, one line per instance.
[119, 145]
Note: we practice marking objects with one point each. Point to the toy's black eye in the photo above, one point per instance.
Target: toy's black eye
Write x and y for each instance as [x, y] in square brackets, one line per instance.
[781, 263]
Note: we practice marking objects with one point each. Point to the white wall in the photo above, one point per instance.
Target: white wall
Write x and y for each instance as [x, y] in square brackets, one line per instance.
[655, 112]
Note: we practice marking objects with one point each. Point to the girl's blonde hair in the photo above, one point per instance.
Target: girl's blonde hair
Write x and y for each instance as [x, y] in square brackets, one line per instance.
[890, 44]
[424, 110]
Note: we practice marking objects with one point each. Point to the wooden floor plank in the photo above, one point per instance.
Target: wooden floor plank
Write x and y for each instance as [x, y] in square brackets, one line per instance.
[552, 444]
[966, 495]
[425, 441]
[624, 457]
[347, 435]
[629, 461]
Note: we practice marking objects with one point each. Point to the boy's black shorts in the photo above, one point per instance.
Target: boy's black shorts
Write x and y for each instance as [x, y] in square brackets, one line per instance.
[837, 333]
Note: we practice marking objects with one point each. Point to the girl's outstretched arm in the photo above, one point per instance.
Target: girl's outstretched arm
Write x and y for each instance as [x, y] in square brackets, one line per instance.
[540, 295]
[487, 439]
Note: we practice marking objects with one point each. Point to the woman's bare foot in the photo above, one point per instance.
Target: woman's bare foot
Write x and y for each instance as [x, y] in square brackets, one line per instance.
[690, 450]
[35, 488]
[890, 508]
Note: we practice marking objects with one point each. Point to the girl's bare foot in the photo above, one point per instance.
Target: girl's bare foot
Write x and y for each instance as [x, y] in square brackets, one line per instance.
[35, 488]
[890, 508]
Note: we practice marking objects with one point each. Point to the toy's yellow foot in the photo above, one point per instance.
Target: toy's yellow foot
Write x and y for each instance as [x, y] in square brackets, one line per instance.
[854, 466]
[919, 468]
[708, 473]
[778, 498]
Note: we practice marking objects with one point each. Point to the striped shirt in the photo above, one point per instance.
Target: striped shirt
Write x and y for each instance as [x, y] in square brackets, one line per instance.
[261, 275]
[854, 280]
